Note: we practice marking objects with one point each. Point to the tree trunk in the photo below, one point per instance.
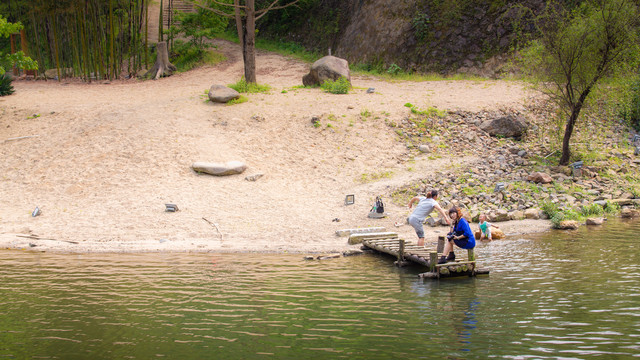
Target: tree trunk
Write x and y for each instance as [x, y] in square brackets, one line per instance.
[249, 43]
[568, 130]
[162, 67]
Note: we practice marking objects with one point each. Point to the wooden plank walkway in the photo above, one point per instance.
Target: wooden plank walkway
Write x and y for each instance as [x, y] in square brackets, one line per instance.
[408, 252]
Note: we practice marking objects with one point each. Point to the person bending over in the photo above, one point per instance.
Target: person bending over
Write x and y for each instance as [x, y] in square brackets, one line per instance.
[423, 209]
[460, 234]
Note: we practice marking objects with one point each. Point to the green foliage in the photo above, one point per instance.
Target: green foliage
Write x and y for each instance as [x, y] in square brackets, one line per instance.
[18, 59]
[5, 85]
[611, 208]
[240, 100]
[592, 210]
[394, 69]
[630, 105]
[201, 25]
[549, 208]
[243, 86]
[340, 86]
[421, 26]
[576, 49]
[7, 28]
[186, 56]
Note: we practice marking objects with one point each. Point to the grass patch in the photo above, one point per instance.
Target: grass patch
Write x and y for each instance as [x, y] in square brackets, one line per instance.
[364, 178]
[243, 86]
[395, 73]
[340, 86]
[240, 100]
[187, 58]
[289, 49]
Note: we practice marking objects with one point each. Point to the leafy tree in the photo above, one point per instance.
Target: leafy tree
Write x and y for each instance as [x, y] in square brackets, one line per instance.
[18, 59]
[246, 13]
[201, 25]
[576, 48]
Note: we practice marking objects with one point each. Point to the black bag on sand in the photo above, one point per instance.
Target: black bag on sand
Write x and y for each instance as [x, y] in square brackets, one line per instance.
[379, 206]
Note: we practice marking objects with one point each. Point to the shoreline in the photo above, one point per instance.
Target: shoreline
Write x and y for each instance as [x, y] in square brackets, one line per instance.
[12, 242]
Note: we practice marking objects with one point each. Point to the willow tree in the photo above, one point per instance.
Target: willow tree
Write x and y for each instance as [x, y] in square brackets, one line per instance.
[576, 49]
[245, 13]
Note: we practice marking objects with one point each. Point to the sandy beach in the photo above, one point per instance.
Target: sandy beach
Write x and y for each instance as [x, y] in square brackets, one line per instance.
[101, 160]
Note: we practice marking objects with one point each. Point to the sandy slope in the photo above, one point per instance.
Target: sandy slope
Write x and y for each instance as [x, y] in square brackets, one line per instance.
[108, 156]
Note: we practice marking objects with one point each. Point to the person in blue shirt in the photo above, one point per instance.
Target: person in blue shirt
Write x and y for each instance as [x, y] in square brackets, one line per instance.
[460, 234]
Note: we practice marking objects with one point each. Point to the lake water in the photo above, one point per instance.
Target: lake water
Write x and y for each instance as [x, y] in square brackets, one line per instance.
[560, 295]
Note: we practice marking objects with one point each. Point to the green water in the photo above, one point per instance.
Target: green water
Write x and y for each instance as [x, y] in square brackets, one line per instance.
[562, 295]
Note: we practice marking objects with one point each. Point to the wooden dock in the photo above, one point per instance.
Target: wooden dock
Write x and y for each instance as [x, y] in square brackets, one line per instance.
[407, 252]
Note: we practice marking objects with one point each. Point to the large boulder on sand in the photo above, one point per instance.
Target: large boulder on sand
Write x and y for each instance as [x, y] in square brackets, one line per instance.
[508, 126]
[222, 94]
[327, 68]
[219, 169]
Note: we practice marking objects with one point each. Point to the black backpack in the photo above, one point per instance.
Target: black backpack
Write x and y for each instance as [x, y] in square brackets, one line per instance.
[379, 206]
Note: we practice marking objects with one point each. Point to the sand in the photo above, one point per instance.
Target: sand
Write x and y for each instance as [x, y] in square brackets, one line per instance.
[101, 160]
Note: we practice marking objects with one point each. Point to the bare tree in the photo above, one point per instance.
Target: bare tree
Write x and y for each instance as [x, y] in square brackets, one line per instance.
[245, 14]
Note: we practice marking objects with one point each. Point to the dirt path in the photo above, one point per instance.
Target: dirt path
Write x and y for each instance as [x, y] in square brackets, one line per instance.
[107, 157]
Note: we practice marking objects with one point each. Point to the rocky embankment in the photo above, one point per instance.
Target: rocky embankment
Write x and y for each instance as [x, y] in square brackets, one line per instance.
[512, 179]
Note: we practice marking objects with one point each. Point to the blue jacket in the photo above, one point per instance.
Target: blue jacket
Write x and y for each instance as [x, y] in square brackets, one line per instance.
[463, 228]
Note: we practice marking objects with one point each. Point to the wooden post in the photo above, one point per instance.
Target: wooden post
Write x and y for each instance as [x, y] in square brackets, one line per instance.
[401, 251]
[433, 260]
[471, 255]
[440, 247]
[401, 262]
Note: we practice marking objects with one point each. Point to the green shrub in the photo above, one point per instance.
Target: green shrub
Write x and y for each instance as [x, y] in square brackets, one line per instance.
[5, 85]
[611, 208]
[630, 109]
[243, 86]
[591, 210]
[394, 69]
[340, 86]
[550, 209]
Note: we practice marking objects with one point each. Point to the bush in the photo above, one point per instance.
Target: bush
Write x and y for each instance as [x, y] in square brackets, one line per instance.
[591, 210]
[611, 208]
[630, 109]
[340, 86]
[5, 85]
[550, 209]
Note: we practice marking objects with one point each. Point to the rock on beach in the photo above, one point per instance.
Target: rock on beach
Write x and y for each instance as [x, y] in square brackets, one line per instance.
[220, 169]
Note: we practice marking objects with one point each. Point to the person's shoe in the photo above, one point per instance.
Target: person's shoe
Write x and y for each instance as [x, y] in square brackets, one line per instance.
[451, 257]
[443, 260]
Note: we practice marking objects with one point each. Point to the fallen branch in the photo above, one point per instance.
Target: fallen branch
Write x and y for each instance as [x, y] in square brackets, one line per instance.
[214, 225]
[35, 237]
[21, 137]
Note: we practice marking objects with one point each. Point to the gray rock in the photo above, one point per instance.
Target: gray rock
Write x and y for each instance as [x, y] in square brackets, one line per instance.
[522, 153]
[424, 148]
[594, 221]
[254, 177]
[508, 126]
[532, 214]
[327, 68]
[222, 94]
[220, 169]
